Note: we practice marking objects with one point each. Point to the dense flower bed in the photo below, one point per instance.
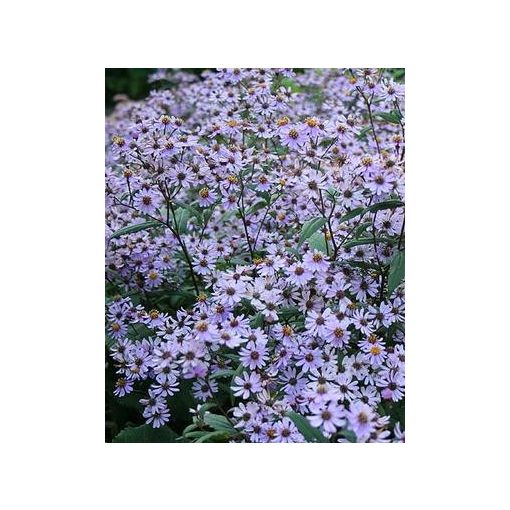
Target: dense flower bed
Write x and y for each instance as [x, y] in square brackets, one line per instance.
[255, 256]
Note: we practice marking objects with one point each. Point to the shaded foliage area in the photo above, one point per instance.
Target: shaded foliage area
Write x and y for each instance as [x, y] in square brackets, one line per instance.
[131, 82]
[134, 83]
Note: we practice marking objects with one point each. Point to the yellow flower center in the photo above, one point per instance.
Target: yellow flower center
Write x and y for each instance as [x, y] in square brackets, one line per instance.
[201, 326]
[375, 350]
[287, 330]
[312, 122]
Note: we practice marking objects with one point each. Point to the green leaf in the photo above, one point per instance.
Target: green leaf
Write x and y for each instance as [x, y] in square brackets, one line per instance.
[222, 373]
[194, 434]
[352, 214]
[310, 227]
[361, 228]
[364, 132]
[349, 435]
[311, 434]
[289, 311]
[233, 357]
[194, 213]
[387, 204]
[218, 436]
[399, 73]
[257, 321]
[146, 434]
[397, 271]
[255, 207]
[332, 192]
[182, 216]
[217, 422]
[393, 117]
[290, 84]
[318, 242]
[205, 407]
[134, 228]
[370, 240]
[189, 428]
[363, 265]
[109, 341]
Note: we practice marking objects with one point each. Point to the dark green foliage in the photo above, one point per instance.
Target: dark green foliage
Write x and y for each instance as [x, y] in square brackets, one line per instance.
[146, 434]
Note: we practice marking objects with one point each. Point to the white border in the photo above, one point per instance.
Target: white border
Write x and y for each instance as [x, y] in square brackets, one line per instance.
[456, 279]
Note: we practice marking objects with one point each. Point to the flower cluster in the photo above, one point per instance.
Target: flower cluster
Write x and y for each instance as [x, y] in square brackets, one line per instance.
[254, 253]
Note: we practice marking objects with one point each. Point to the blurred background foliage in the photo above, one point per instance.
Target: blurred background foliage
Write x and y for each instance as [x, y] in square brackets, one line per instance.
[133, 82]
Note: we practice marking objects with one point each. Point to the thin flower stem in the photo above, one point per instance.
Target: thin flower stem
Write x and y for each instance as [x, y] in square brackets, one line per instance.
[401, 234]
[176, 235]
[184, 248]
[242, 212]
[381, 267]
[372, 122]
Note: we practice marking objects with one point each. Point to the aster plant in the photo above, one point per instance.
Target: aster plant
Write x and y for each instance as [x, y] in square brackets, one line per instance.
[255, 258]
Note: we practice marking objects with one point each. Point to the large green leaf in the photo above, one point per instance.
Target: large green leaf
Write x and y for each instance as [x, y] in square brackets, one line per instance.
[218, 422]
[370, 240]
[394, 117]
[257, 320]
[218, 436]
[130, 229]
[310, 227]
[311, 434]
[318, 242]
[288, 312]
[222, 373]
[397, 271]
[361, 229]
[193, 212]
[146, 434]
[387, 204]
[351, 214]
[255, 207]
[181, 217]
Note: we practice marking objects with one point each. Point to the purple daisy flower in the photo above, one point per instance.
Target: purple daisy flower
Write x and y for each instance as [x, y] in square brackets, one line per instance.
[246, 385]
[147, 201]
